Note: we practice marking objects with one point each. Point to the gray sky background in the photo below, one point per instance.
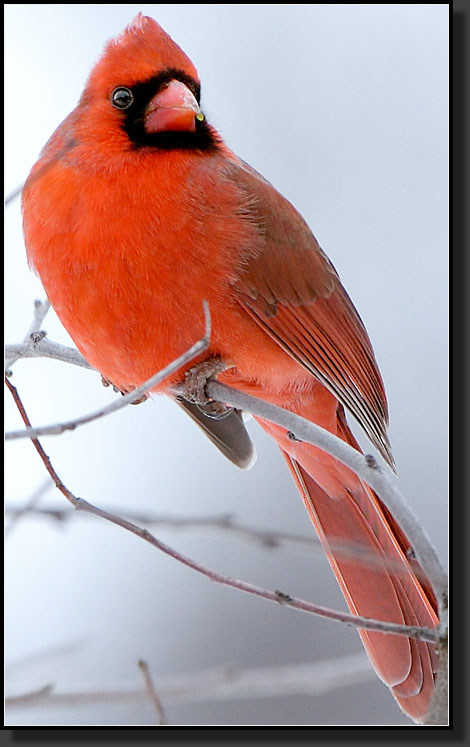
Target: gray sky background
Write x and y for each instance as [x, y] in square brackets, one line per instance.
[344, 109]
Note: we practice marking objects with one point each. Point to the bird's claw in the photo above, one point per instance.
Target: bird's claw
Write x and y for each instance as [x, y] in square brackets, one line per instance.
[194, 388]
[107, 383]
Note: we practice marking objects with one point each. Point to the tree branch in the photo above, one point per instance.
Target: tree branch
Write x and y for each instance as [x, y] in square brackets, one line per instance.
[280, 597]
[269, 539]
[199, 347]
[40, 310]
[29, 507]
[225, 683]
[44, 348]
[143, 666]
[365, 466]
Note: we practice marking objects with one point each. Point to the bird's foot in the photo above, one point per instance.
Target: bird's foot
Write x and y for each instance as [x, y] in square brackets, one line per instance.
[106, 382]
[138, 401]
[194, 388]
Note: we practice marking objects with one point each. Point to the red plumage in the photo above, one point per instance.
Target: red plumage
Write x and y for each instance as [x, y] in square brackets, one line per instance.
[134, 214]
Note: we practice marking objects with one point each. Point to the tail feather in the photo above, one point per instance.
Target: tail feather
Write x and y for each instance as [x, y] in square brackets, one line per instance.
[376, 569]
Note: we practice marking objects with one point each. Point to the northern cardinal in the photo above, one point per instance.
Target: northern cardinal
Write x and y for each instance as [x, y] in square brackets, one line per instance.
[134, 214]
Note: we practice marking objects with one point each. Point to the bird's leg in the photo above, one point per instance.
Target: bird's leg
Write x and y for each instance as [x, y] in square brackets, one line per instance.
[194, 387]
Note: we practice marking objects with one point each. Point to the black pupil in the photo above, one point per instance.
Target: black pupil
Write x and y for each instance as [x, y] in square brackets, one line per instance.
[122, 98]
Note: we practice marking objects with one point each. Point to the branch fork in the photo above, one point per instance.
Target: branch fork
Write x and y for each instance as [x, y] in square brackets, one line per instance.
[366, 467]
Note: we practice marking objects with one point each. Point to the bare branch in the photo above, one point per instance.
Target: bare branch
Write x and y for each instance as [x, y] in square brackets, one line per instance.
[29, 507]
[269, 539]
[33, 696]
[143, 666]
[13, 194]
[280, 597]
[45, 348]
[438, 711]
[40, 310]
[199, 347]
[226, 683]
[364, 466]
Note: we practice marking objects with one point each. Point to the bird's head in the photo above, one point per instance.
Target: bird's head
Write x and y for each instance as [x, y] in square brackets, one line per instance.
[144, 92]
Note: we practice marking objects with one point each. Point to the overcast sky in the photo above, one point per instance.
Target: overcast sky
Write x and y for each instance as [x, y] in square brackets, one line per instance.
[344, 109]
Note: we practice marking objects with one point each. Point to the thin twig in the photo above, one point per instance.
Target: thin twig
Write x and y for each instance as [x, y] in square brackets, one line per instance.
[40, 310]
[199, 347]
[425, 634]
[29, 507]
[13, 194]
[33, 696]
[45, 348]
[269, 539]
[365, 467]
[226, 683]
[279, 597]
[161, 717]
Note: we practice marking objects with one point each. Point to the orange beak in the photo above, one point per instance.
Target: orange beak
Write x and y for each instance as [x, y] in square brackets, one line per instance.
[174, 109]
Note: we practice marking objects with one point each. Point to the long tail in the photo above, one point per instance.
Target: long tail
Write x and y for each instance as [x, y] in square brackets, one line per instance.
[373, 562]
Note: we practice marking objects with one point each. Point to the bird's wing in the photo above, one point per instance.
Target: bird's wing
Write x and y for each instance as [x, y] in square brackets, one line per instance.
[292, 290]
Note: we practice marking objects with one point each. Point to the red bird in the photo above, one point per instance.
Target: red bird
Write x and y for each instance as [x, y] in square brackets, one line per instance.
[134, 214]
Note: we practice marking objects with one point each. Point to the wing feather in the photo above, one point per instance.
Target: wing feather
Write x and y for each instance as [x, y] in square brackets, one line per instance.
[292, 290]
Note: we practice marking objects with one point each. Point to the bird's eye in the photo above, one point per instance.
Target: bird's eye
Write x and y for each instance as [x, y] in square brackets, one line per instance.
[122, 98]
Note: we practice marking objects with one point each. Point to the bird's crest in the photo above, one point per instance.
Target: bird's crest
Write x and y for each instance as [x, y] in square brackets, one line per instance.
[140, 52]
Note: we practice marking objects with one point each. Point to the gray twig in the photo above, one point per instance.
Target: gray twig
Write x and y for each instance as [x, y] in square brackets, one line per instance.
[40, 310]
[162, 719]
[425, 634]
[374, 475]
[224, 683]
[199, 347]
